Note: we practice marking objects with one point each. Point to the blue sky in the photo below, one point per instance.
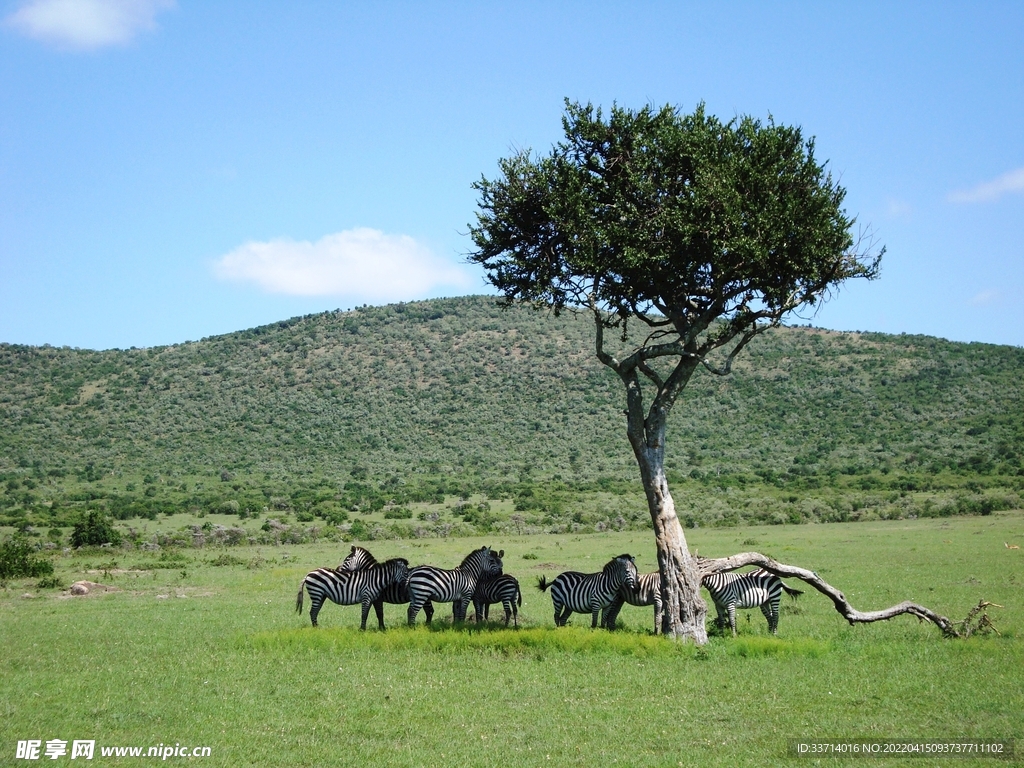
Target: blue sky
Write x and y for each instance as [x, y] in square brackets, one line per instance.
[170, 171]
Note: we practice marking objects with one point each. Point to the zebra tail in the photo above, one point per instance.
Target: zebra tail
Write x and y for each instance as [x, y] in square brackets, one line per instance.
[542, 584]
[794, 593]
[519, 596]
[298, 600]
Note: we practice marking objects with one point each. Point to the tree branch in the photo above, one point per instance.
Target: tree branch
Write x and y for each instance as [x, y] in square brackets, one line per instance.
[603, 356]
[651, 374]
[709, 566]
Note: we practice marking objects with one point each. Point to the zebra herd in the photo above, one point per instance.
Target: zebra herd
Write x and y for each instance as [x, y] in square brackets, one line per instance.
[361, 580]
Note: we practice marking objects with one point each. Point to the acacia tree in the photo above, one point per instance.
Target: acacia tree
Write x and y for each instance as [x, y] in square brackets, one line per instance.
[706, 233]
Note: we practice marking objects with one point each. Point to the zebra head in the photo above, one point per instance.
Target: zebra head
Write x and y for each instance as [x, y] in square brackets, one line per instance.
[396, 570]
[483, 561]
[358, 559]
[623, 570]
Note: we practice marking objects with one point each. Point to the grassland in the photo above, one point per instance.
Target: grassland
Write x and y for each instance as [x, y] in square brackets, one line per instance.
[203, 647]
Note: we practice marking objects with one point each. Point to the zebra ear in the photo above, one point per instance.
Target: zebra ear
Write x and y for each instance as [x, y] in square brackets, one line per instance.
[501, 553]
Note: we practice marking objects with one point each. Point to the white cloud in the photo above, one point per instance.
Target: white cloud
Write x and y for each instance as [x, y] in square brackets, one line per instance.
[991, 191]
[358, 263]
[986, 297]
[898, 209]
[86, 24]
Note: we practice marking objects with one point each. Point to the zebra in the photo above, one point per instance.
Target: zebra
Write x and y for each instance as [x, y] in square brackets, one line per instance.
[757, 589]
[502, 589]
[396, 594]
[589, 592]
[456, 586]
[350, 587]
[647, 592]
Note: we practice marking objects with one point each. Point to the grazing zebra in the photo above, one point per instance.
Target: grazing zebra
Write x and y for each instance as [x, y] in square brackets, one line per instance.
[396, 594]
[647, 592]
[350, 587]
[589, 592]
[456, 586]
[502, 589]
[757, 589]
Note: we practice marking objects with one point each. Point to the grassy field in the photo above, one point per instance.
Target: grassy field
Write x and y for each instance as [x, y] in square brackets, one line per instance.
[204, 648]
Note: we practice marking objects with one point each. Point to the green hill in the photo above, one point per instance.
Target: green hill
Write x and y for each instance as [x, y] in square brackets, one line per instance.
[412, 404]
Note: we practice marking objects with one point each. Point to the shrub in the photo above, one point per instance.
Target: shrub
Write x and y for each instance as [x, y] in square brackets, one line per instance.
[17, 559]
[94, 531]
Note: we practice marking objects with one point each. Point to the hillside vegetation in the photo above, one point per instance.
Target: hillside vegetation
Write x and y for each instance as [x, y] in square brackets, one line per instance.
[454, 415]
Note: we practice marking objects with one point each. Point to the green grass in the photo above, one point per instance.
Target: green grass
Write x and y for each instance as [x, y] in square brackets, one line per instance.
[211, 652]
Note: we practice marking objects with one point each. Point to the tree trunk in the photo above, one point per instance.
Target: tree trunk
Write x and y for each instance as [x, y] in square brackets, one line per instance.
[684, 609]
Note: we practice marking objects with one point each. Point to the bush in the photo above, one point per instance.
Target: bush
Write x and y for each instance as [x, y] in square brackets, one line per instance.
[94, 531]
[17, 559]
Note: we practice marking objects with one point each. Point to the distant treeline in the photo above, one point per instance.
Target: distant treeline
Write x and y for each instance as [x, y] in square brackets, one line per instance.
[333, 416]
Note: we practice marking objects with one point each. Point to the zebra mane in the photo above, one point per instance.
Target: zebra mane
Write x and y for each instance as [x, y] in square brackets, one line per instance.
[473, 556]
[358, 553]
[610, 565]
[478, 555]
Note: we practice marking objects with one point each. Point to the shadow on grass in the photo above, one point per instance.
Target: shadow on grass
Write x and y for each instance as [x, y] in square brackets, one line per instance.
[533, 641]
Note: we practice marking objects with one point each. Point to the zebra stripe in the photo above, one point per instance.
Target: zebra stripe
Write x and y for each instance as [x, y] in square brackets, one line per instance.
[577, 592]
[502, 589]
[351, 587]
[396, 594]
[647, 592]
[455, 586]
[757, 589]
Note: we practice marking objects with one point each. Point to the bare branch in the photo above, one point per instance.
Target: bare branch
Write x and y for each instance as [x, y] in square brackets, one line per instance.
[651, 374]
[603, 356]
[726, 369]
[709, 566]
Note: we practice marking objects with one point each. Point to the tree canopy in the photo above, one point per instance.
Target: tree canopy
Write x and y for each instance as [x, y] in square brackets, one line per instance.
[675, 219]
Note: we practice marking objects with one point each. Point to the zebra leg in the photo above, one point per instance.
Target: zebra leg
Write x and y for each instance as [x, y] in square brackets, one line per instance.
[611, 612]
[771, 612]
[366, 612]
[413, 610]
[315, 604]
[720, 620]
[657, 614]
[559, 618]
[508, 611]
[378, 607]
[732, 618]
[428, 611]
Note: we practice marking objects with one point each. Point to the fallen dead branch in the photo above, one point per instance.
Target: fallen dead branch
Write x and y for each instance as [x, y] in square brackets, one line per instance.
[982, 623]
[961, 629]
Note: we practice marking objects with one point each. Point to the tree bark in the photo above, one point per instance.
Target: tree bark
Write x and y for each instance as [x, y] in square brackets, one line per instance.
[708, 566]
[684, 609]
[684, 612]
